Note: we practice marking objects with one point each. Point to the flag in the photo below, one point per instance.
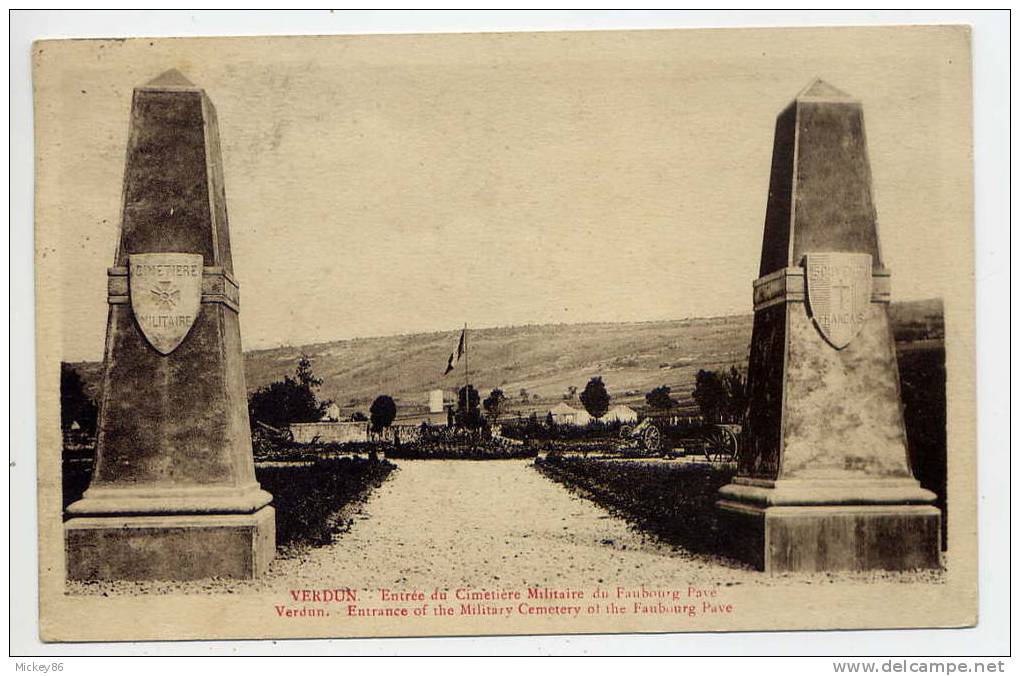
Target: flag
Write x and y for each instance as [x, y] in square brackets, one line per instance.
[455, 356]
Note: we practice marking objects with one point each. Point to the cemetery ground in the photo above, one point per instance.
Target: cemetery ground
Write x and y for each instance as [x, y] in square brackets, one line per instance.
[432, 516]
[566, 522]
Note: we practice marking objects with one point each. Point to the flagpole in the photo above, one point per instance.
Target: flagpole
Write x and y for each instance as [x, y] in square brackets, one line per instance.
[467, 373]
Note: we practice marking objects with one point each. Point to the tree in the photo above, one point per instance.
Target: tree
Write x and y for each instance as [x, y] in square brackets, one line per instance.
[524, 395]
[720, 394]
[358, 416]
[659, 398]
[495, 403]
[709, 393]
[570, 393]
[76, 406]
[304, 373]
[289, 400]
[468, 413]
[736, 394]
[382, 412]
[595, 398]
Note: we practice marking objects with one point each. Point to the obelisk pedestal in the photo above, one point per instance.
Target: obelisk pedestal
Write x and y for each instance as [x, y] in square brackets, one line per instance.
[173, 493]
[823, 480]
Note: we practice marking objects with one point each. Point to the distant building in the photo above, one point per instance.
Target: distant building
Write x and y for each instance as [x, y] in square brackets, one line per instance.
[332, 413]
[435, 401]
[623, 414]
[565, 414]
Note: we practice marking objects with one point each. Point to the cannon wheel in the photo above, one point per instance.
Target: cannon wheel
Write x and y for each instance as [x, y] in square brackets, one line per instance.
[651, 439]
[720, 445]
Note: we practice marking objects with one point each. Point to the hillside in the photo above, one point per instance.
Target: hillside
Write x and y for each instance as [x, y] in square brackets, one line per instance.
[543, 359]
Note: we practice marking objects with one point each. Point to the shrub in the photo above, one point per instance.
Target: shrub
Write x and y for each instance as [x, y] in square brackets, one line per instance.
[465, 446]
[289, 400]
[495, 403]
[923, 390]
[76, 406]
[659, 398]
[382, 412]
[468, 413]
[310, 498]
[721, 395]
[531, 429]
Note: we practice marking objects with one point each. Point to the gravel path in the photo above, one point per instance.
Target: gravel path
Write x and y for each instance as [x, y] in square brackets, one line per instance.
[452, 523]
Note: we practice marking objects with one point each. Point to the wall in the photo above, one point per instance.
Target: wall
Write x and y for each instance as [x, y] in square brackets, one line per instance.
[349, 432]
[330, 432]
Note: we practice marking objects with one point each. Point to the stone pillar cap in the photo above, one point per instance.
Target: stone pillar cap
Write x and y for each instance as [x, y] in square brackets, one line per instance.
[170, 79]
[820, 90]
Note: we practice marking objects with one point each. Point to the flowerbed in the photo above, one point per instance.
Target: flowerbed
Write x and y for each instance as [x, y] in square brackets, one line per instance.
[675, 500]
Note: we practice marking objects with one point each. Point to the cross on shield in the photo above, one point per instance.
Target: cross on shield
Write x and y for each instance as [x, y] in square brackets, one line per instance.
[838, 294]
[166, 294]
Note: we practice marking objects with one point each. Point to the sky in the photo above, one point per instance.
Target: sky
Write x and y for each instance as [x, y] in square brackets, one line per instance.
[398, 184]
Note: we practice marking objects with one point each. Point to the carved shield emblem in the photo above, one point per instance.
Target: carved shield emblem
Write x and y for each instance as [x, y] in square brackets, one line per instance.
[838, 294]
[166, 294]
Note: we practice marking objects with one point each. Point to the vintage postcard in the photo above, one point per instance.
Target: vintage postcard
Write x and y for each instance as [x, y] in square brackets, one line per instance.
[522, 333]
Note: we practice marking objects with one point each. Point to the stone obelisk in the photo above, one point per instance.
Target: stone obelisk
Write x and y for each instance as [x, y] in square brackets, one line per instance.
[823, 479]
[173, 493]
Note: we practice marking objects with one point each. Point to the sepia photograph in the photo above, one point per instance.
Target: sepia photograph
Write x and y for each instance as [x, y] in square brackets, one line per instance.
[505, 333]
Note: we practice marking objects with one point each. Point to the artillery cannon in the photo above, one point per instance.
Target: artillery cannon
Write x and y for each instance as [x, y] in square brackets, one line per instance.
[265, 438]
[720, 442]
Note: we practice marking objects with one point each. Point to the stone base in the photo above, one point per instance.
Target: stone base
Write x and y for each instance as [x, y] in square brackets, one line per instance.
[177, 547]
[809, 538]
[107, 501]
